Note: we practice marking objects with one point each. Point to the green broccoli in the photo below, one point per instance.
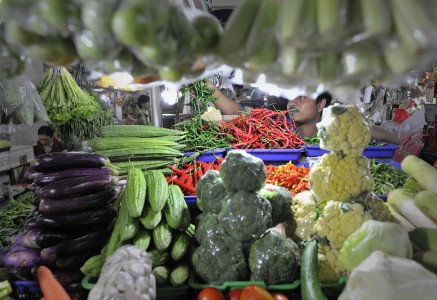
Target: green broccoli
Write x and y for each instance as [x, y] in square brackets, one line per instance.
[274, 259]
[245, 216]
[210, 192]
[208, 225]
[243, 171]
[280, 198]
[220, 259]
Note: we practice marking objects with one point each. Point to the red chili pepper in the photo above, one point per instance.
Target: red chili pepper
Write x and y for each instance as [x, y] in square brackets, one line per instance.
[182, 185]
[184, 177]
[188, 169]
[176, 170]
[220, 160]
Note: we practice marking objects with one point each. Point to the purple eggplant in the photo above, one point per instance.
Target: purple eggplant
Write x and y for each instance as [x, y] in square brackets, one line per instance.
[31, 174]
[90, 241]
[79, 203]
[22, 258]
[41, 238]
[18, 239]
[36, 202]
[64, 160]
[74, 260]
[32, 187]
[93, 217]
[74, 186]
[68, 277]
[46, 178]
[49, 256]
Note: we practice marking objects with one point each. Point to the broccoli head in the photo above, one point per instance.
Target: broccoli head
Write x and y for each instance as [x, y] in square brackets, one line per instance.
[220, 259]
[245, 216]
[280, 199]
[242, 171]
[208, 225]
[210, 192]
[344, 129]
[274, 259]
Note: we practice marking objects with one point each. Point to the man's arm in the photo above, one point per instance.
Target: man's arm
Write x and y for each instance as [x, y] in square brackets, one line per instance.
[380, 134]
[225, 104]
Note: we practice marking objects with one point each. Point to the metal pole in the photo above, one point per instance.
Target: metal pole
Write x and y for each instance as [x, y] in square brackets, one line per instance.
[156, 107]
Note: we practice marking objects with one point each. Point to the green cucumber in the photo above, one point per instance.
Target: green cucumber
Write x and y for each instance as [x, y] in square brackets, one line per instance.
[309, 273]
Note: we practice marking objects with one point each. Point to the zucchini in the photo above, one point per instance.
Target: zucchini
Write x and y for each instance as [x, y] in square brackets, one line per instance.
[162, 236]
[149, 218]
[157, 190]
[309, 273]
[135, 192]
[175, 207]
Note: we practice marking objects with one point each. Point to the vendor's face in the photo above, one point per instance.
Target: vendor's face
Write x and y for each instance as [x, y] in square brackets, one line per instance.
[304, 110]
[45, 140]
[146, 106]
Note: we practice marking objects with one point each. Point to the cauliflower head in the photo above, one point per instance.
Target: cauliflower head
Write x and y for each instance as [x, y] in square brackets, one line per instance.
[340, 178]
[304, 215]
[339, 220]
[241, 171]
[344, 129]
[245, 216]
[329, 268]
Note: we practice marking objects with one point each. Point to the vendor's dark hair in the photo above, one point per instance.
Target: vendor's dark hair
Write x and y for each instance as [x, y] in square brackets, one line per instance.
[142, 99]
[325, 95]
[46, 130]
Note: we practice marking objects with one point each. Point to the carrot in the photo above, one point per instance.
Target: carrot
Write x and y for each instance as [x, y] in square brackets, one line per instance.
[50, 286]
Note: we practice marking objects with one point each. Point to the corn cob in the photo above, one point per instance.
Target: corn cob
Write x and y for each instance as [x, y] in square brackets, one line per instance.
[98, 144]
[143, 131]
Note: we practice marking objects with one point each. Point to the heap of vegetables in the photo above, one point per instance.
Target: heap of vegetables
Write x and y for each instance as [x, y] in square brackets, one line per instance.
[293, 178]
[340, 197]
[262, 128]
[76, 192]
[140, 146]
[153, 216]
[232, 237]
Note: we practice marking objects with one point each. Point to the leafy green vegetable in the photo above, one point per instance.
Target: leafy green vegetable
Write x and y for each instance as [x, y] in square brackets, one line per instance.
[12, 217]
[388, 237]
[386, 177]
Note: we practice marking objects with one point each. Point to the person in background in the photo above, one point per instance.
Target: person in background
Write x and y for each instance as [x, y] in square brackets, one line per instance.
[47, 142]
[143, 115]
[305, 112]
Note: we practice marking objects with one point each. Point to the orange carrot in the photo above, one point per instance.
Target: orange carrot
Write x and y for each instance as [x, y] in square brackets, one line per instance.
[50, 286]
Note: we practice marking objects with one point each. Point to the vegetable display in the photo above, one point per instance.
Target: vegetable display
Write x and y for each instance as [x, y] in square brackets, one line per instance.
[289, 176]
[227, 237]
[13, 216]
[386, 177]
[63, 98]
[154, 217]
[57, 233]
[144, 147]
[262, 129]
[340, 198]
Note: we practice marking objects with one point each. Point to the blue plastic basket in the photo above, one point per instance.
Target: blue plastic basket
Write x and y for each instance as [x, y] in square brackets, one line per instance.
[275, 155]
[208, 156]
[315, 151]
[386, 151]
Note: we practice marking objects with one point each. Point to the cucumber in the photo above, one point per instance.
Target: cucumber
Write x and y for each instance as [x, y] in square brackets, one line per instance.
[135, 192]
[142, 238]
[157, 192]
[149, 218]
[162, 236]
[180, 274]
[162, 275]
[180, 246]
[309, 273]
[175, 207]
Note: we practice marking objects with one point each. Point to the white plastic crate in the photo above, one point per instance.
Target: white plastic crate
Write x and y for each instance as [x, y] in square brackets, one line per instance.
[20, 155]
[4, 161]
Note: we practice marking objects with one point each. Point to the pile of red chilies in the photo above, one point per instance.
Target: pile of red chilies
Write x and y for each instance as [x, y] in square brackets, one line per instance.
[262, 129]
[188, 175]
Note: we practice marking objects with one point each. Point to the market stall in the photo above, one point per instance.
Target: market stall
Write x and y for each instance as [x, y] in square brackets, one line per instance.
[214, 205]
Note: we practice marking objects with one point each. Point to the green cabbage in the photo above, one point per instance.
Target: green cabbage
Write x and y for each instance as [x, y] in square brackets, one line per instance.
[388, 237]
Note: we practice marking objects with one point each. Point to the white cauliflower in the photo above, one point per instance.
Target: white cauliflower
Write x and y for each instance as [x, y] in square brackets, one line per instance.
[340, 178]
[304, 215]
[344, 129]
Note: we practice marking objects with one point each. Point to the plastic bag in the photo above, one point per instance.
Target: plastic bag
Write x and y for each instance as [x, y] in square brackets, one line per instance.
[382, 276]
[24, 113]
[39, 111]
[10, 95]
